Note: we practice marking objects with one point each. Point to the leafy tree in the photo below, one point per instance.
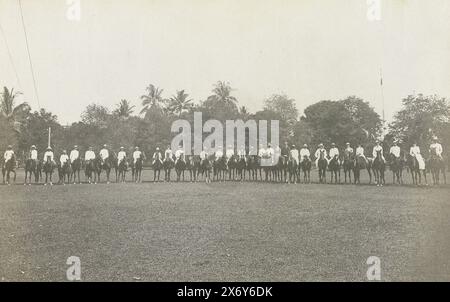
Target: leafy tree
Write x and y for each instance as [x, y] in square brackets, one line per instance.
[152, 99]
[286, 109]
[124, 109]
[96, 115]
[179, 103]
[14, 114]
[421, 118]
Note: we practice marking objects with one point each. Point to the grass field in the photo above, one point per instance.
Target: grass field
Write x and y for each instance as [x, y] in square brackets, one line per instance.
[224, 231]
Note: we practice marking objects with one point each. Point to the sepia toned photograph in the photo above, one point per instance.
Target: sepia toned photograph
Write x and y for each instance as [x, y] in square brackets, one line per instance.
[224, 141]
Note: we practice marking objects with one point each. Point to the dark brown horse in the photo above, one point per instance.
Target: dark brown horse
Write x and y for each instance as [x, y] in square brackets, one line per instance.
[335, 168]
[305, 166]
[8, 167]
[437, 166]
[379, 167]
[31, 168]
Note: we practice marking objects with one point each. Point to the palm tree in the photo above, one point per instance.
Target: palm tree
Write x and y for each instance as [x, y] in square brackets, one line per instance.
[124, 109]
[13, 114]
[152, 98]
[222, 92]
[180, 103]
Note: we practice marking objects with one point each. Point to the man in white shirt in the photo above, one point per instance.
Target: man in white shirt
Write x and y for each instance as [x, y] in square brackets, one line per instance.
[395, 150]
[229, 152]
[9, 153]
[168, 154]
[293, 153]
[378, 148]
[157, 156]
[179, 154]
[63, 158]
[360, 152]
[33, 153]
[203, 155]
[348, 150]
[304, 152]
[89, 154]
[219, 153]
[436, 147]
[320, 150]
[241, 153]
[104, 153]
[334, 151]
[136, 154]
[74, 154]
[270, 151]
[49, 154]
[122, 155]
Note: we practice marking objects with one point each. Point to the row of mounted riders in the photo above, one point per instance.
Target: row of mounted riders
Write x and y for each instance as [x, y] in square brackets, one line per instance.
[286, 169]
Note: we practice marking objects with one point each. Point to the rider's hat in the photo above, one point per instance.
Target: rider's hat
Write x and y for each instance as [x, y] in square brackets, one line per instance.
[33, 147]
[333, 144]
[435, 138]
[157, 148]
[293, 146]
[9, 147]
[320, 145]
[104, 145]
[348, 144]
[49, 148]
[64, 151]
[305, 145]
[121, 147]
[76, 146]
[136, 147]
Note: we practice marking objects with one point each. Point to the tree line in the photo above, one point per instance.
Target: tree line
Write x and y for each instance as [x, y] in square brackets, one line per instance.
[347, 120]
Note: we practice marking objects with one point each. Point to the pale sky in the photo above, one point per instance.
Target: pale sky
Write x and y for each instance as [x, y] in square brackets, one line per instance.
[311, 50]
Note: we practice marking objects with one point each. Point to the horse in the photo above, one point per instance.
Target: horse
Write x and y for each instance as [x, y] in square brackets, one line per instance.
[8, 167]
[362, 163]
[76, 168]
[157, 165]
[379, 167]
[348, 165]
[335, 168]
[180, 167]
[168, 165]
[281, 169]
[91, 170]
[48, 168]
[305, 166]
[231, 167]
[122, 168]
[396, 166]
[220, 168]
[206, 169]
[241, 167]
[31, 166]
[106, 165]
[252, 167]
[64, 171]
[322, 165]
[437, 165]
[292, 168]
[136, 168]
[192, 165]
[414, 168]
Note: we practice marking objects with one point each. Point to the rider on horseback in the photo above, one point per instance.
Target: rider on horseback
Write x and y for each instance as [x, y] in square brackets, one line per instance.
[89, 154]
[304, 151]
[334, 151]
[203, 156]
[378, 148]
[293, 154]
[241, 153]
[122, 155]
[104, 153]
[320, 150]
[436, 147]
[179, 154]
[49, 154]
[219, 153]
[63, 158]
[360, 152]
[137, 154]
[33, 154]
[74, 154]
[229, 152]
[157, 156]
[348, 150]
[395, 150]
[168, 155]
[414, 151]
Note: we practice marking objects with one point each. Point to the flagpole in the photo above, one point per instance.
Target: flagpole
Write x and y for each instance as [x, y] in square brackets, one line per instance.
[49, 135]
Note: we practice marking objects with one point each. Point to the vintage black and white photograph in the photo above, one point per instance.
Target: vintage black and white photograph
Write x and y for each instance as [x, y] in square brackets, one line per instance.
[224, 141]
